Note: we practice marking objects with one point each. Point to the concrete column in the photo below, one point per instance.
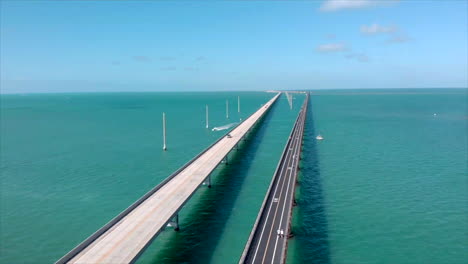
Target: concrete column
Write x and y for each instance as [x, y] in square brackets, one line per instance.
[164, 131]
[174, 222]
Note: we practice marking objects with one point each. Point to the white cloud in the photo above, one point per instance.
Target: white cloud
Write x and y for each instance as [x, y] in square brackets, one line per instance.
[376, 29]
[335, 5]
[331, 47]
[399, 39]
[396, 34]
[357, 56]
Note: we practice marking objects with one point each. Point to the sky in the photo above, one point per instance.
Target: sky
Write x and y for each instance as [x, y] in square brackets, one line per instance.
[100, 46]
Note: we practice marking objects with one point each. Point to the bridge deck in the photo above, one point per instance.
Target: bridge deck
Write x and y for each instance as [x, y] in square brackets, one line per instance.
[125, 239]
[268, 240]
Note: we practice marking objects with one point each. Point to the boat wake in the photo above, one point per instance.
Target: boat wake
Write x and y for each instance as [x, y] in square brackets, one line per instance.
[224, 127]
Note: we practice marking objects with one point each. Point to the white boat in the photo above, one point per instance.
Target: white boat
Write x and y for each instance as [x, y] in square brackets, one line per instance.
[319, 137]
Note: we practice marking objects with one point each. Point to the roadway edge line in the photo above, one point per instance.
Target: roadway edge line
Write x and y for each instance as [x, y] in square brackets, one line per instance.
[262, 208]
[288, 223]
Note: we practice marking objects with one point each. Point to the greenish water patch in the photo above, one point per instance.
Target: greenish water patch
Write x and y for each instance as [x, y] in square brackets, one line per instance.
[71, 162]
[393, 177]
[218, 221]
[387, 185]
[310, 243]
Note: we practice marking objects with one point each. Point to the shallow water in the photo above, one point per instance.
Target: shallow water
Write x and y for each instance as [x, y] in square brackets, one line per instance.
[387, 185]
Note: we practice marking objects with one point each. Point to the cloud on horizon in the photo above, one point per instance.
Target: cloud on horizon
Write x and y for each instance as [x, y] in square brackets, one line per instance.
[377, 29]
[340, 47]
[331, 47]
[358, 56]
[396, 35]
[336, 5]
[399, 39]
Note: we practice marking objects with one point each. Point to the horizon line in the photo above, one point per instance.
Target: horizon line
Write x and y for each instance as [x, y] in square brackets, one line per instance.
[204, 91]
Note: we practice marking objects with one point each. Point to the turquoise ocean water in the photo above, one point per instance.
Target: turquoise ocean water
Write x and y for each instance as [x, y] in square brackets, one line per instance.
[387, 185]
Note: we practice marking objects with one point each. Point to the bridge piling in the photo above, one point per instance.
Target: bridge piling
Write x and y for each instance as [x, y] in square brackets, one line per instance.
[207, 121]
[164, 131]
[174, 222]
[207, 181]
[227, 109]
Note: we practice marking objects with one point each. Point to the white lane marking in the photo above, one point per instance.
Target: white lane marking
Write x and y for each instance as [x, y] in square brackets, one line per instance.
[288, 161]
[275, 214]
[284, 205]
[268, 214]
[269, 238]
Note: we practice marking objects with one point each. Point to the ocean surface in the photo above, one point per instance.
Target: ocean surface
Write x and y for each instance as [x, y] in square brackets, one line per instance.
[388, 184]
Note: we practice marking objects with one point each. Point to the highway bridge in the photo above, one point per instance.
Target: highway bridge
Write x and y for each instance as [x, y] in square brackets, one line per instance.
[267, 242]
[126, 236]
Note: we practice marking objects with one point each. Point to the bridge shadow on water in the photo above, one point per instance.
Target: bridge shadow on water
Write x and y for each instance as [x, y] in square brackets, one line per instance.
[202, 225]
[311, 232]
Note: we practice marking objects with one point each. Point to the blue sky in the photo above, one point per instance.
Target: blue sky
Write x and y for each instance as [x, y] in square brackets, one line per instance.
[55, 46]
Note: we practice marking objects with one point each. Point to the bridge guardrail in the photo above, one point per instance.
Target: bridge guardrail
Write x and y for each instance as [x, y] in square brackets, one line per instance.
[262, 208]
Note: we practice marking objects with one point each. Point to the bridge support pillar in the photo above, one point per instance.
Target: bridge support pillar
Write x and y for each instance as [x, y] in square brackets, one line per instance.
[174, 222]
[207, 181]
[225, 160]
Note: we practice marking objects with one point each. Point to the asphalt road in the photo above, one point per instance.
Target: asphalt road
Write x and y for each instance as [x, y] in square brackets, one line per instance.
[269, 241]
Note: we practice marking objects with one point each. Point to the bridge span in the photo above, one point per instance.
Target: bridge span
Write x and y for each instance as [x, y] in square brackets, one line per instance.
[126, 236]
[268, 240]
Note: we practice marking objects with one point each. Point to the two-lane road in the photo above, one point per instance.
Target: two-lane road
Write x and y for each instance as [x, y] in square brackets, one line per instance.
[269, 238]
